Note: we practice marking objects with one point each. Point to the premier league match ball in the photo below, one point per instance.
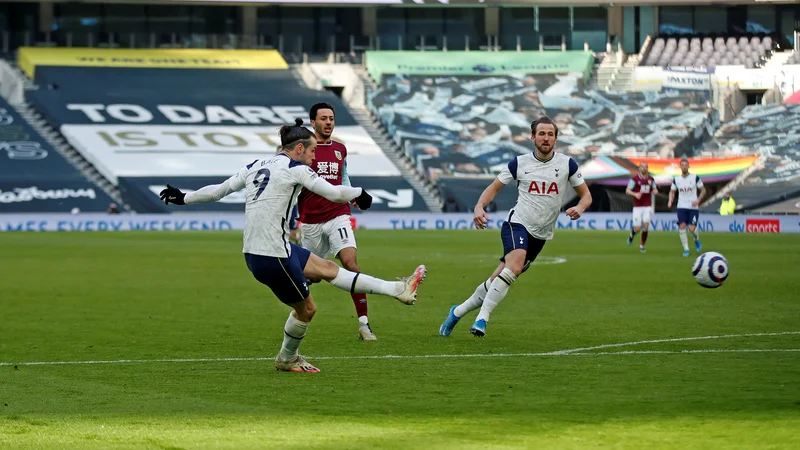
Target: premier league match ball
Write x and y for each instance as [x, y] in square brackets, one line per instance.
[710, 270]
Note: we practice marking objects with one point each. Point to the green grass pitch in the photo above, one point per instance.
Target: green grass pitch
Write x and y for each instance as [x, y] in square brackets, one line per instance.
[167, 296]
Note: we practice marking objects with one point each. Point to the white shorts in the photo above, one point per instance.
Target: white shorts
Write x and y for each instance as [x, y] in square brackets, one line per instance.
[641, 214]
[329, 238]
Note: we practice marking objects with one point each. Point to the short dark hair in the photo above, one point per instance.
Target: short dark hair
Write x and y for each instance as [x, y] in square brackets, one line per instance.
[543, 120]
[292, 134]
[312, 113]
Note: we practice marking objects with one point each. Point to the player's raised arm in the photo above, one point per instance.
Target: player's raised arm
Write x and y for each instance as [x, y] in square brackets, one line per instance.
[340, 194]
[210, 193]
[579, 184]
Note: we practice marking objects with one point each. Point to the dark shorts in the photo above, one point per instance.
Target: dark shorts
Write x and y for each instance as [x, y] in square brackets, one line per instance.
[284, 276]
[514, 237]
[688, 216]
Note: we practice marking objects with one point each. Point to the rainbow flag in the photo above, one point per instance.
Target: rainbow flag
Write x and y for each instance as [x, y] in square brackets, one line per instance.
[615, 170]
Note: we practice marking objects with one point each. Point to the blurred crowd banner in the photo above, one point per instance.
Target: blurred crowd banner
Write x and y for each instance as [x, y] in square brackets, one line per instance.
[384, 221]
[29, 58]
[773, 133]
[472, 125]
[477, 63]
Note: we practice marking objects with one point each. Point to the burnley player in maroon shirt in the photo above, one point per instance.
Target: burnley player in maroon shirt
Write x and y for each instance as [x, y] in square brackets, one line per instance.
[642, 188]
[325, 225]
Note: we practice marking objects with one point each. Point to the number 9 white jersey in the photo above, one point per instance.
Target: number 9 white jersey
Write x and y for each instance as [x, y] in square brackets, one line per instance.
[271, 189]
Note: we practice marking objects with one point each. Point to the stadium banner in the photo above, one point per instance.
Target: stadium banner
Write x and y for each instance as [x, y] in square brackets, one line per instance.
[648, 77]
[161, 107]
[28, 58]
[384, 221]
[785, 77]
[687, 78]
[51, 196]
[379, 63]
[388, 194]
[616, 170]
[174, 150]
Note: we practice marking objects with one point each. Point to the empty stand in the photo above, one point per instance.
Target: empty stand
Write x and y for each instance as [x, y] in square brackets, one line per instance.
[707, 52]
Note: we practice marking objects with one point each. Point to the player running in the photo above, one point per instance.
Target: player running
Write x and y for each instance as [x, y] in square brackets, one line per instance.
[325, 225]
[686, 185]
[642, 188]
[272, 186]
[542, 178]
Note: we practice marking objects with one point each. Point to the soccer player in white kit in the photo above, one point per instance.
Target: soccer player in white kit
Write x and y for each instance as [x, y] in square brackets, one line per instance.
[686, 185]
[542, 178]
[272, 186]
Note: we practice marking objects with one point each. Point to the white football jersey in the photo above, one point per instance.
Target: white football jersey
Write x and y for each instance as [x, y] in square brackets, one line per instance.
[688, 188]
[271, 190]
[541, 186]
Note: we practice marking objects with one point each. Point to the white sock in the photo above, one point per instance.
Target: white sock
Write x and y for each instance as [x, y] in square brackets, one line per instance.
[696, 234]
[364, 284]
[497, 291]
[293, 333]
[684, 240]
[363, 321]
[475, 301]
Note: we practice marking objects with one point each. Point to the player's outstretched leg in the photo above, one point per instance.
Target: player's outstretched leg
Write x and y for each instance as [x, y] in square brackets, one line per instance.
[289, 360]
[404, 290]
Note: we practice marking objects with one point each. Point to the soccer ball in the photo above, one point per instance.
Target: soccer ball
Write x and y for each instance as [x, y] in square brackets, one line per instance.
[710, 270]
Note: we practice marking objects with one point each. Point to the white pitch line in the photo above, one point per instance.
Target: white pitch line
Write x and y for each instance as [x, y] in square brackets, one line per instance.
[659, 341]
[683, 352]
[582, 351]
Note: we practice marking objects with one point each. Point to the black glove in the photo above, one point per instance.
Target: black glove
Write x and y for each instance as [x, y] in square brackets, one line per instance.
[172, 195]
[364, 201]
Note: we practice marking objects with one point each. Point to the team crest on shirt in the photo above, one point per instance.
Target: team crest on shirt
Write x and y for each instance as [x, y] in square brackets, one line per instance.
[338, 154]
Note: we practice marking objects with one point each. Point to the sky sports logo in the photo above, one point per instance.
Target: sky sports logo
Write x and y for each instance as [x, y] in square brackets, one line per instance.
[763, 226]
